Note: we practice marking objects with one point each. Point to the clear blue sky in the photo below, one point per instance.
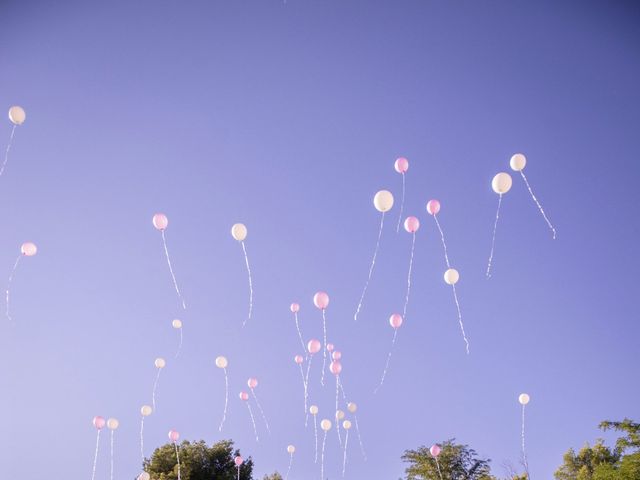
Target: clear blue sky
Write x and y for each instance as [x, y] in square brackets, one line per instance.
[288, 117]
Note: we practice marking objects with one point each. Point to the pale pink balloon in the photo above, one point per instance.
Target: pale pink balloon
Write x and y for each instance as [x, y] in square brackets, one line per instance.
[238, 461]
[173, 435]
[99, 422]
[411, 224]
[298, 359]
[314, 346]
[244, 396]
[433, 207]
[321, 300]
[335, 367]
[435, 450]
[295, 307]
[28, 249]
[401, 165]
[252, 382]
[160, 221]
[330, 347]
[337, 355]
[395, 320]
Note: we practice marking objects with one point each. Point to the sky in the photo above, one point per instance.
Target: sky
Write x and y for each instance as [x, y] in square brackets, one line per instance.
[287, 117]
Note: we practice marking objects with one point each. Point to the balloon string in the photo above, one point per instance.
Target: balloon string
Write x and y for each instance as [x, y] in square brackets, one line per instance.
[238, 472]
[6, 153]
[264, 417]
[493, 239]
[344, 395]
[386, 367]
[13, 271]
[177, 458]
[324, 441]
[253, 422]
[438, 465]
[155, 387]
[142, 439]
[95, 456]
[289, 469]
[444, 244]
[337, 419]
[179, 344]
[455, 296]
[299, 332]
[524, 454]
[401, 206]
[246, 261]
[373, 263]
[324, 347]
[364, 455]
[308, 369]
[173, 277]
[544, 215]
[226, 399]
[111, 476]
[344, 458]
[406, 299]
[304, 385]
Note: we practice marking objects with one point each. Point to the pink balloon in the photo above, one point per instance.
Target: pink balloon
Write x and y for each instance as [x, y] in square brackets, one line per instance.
[298, 359]
[173, 435]
[321, 300]
[433, 207]
[411, 224]
[99, 422]
[395, 320]
[295, 307]
[401, 165]
[335, 367]
[330, 347]
[28, 249]
[160, 221]
[252, 382]
[435, 450]
[337, 355]
[238, 461]
[313, 346]
[244, 396]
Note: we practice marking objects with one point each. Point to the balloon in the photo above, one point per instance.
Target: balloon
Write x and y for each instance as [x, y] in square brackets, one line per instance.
[352, 407]
[395, 320]
[346, 424]
[523, 398]
[321, 300]
[435, 450]
[160, 221]
[17, 115]
[99, 422]
[239, 232]
[28, 249]
[244, 396]
[451, 276]
[411, 224]
[295, 308]
[401, 165]
[298, 359]
[238, 461]
[173, 435]
[113, 424]
[313, 409]
[146, 410]
[339, 414]
[176, 323]
[383, 201]
[313, 346]
[330, 347]
[291, 449]
[337, 355]
[144, 476]
[252, 382]
[325, 425]
[160, 363]
[501, 183]
[518, 162]
[433, 207]
[335, 367]
[221, 362]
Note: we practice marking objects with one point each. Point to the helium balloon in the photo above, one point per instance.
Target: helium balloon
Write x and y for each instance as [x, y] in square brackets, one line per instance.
[395, 321]
[160, 222]
[325, 425]
[144, 476]
[501, 184]
[290, 450]
[177, 324]
[27, 249]
[330, 347]
[17, 117]
[113, 424]
[337, 355]
[244, 396]
[159, 364]
[435, 450]
[298, 359]
[173, 435]
[313, 347]
[239, 233]
[352, 407]
[313, 410]
[99, 423]
[339, 414]
[411, 225]
[253, 383]
[146, 410]
[523, 398]
[401, 165]
[451, 277]
[335, 367]
[347, 426]
[321, 301]
[295, 308]
[433, 207]
[238, 460]
[221, 363]
[383, 201]
[517, 163]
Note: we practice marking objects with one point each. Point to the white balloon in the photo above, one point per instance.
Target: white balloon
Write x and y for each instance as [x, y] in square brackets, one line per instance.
[160, 363]
[28, 249]
[113, 424]
[383, 201]
[501, 183]
[291, 449]
[325, 425]
[346, 424]
[518, 162]
[451, 276]
[352, 407]
[239, 231]
[176, 323]
[313, 410]
[146, 410]
[339, 414]
[523, 399]
[17, 115]
[221, 362]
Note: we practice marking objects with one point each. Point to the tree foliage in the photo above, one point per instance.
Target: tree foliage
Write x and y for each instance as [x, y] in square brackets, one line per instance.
[198, 462]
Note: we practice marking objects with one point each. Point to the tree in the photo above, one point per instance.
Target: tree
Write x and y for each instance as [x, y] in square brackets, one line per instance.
[455, 462]
[273, 476]
[198, 462]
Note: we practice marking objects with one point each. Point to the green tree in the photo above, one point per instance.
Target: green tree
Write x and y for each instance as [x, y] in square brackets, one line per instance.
[273, 476]
[455, 462]
[198, 462]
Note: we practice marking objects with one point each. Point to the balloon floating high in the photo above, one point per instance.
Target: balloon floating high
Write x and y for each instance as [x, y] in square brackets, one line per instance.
[321, 301]
[221, 363]
[325, 425]
[295, 308]
[383, 201]
[174, 436]
[252, 383]
[313, 410]
[411, 225]
[112, 425]
[347, 426]
[298, 359]
[313, 347]
[395, 321]
[159, 363]
[177, 325]
[27, 249]
[99, 423]
[401, 166]
[335, 367]
[244, 396]
[290, 450]
[17, 116]
[239, 233]
[517, 164]
[500, 184]
[451, 277]
[433, 208]
[161, 222]
[523, 399]
[353, 408]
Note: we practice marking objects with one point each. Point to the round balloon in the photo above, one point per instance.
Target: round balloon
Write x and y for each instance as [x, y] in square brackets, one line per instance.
[523, 399]
[291, 449]
[435, 450]
[335, 367]
[501, 183]
[238, 461]
[295, 308]
[352, 407]
[395, 320]
[339, 414]
[160, 221]
[239, 232]
[146, 410]
[411, 224]
[325, 425]
[337, 355]
[28, 249]
[321, 300]
[221, 362]
[113, 424]
[144, 476]
[313, 346]
[298, 359]
[99, 422]
[401, 165]
[173, 435]
[252, 382]
[346, 424]
[244, 396]
[383, 201]
[160, 363]
[17, 115]
[518, 162]
[313, 409]
[451, 276]
[176, 323]
[433, 207]
[330, 347]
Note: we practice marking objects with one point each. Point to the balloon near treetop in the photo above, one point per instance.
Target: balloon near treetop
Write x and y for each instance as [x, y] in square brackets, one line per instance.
[435, 450]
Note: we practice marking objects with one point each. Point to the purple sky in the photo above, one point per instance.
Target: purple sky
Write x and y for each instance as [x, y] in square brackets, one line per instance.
[288, 117]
